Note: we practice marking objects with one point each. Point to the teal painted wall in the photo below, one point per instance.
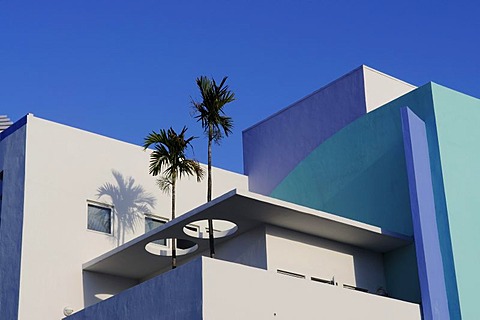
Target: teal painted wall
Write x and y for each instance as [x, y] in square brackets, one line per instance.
[402, 261]
[458, 126]
[360, 173]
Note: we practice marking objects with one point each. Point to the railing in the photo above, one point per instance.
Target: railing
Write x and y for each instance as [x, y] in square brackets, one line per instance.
[332, 282]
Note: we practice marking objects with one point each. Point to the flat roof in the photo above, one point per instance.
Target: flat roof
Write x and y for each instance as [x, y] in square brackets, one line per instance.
[247, 210]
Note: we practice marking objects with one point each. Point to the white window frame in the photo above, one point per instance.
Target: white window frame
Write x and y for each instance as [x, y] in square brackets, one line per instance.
[155, 217]
[159, 219]
[105, 206]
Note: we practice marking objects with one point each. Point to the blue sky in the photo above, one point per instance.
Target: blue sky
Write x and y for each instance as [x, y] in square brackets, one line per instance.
[124, 68]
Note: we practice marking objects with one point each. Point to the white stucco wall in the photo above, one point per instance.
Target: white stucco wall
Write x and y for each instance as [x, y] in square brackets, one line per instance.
[65, 168]
[381, 88]
[212, 289]
[232, 291]
[320, 258]
[248, 248]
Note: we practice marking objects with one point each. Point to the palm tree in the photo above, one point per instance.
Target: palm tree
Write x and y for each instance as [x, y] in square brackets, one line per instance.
[169, 160]
[215, 124]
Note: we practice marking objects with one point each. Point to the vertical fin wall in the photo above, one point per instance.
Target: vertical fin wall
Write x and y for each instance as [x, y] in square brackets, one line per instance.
[12, 163]
[429, 257]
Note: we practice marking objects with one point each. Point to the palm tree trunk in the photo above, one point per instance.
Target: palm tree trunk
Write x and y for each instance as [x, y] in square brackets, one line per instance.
[209, 191]
[209, 178]
[174, 241]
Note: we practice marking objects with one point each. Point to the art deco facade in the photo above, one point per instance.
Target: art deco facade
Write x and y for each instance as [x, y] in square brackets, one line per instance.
[358, 201]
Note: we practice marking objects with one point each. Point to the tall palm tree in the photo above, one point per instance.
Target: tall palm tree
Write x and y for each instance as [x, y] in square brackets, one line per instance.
[170, 161]
[215, 124]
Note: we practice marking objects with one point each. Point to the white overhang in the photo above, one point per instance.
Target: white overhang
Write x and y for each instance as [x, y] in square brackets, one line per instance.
[247, 210]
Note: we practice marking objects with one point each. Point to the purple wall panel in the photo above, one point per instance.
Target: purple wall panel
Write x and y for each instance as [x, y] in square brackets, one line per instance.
[176, 294]
[429, 258]
[276, 145]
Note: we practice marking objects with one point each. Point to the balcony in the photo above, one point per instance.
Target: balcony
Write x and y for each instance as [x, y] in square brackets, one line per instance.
[212, 289]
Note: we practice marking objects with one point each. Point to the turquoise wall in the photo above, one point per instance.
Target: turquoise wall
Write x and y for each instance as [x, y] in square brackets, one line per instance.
[458, 126]
[402, 261]
[360, 173]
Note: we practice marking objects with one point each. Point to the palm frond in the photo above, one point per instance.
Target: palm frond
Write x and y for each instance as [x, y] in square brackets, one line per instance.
[169, 158]
[191, 168]
[210, 110]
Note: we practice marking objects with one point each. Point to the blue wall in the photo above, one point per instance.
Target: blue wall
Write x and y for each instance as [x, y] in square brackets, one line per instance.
[176, 294]
[427, 244]
[272, 148]
[12, 162]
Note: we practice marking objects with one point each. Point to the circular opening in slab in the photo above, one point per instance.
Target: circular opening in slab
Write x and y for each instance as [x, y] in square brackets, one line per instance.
[183, 247]
[199, 229]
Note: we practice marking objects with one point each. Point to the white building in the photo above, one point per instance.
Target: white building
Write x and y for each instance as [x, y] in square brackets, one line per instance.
[82, 228]
[53, 176]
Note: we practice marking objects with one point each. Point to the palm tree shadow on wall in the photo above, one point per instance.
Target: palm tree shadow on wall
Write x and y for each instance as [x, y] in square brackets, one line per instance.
[130, 201]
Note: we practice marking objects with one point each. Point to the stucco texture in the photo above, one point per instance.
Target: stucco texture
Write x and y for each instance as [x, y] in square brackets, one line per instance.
[12, 163]
[458, 119]
[360, 173]
[176, 294]
[275, 146]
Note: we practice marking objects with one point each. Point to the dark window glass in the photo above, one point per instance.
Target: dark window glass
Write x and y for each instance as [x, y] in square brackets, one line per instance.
[152, 223]
[99, 218]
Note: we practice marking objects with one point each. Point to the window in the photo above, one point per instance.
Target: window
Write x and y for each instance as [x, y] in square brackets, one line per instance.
[99, 218]
[152, 223]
